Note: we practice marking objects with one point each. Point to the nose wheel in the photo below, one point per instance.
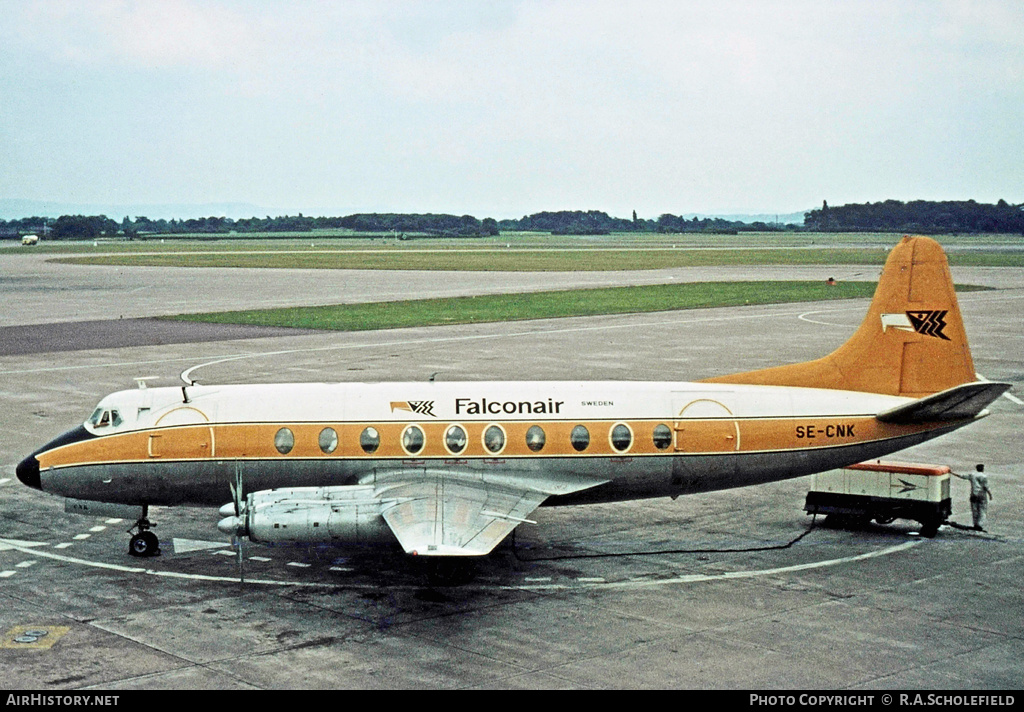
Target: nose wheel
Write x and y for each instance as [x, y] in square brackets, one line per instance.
[143, 542]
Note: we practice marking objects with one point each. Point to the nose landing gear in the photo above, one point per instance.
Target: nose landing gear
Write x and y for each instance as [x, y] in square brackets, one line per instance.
[143, 542]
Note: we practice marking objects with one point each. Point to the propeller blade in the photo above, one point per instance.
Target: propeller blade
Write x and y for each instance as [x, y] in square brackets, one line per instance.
[241, 567]
[237, 494]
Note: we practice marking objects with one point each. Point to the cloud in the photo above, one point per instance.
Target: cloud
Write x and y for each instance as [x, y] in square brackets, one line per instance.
[530, 103]
[139, 34]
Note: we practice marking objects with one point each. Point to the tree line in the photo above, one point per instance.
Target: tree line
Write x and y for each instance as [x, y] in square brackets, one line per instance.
[918, 216]
[888, 216]
[567, 222]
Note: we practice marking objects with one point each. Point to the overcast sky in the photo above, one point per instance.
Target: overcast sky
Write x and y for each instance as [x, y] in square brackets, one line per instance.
[503, 109]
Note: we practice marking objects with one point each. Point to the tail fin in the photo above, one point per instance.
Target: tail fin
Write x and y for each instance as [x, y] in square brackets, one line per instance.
[912, 342]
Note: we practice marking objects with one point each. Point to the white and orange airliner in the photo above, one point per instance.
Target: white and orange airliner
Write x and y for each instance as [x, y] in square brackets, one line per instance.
[450, 469]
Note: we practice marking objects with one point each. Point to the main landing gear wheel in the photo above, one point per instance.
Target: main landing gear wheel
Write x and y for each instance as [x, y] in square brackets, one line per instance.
[144, 542]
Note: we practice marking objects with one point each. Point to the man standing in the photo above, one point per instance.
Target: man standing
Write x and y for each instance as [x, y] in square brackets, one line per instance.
[980, 496]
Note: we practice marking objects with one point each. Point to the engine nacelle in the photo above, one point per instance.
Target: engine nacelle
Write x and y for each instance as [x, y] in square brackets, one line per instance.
[344, 514]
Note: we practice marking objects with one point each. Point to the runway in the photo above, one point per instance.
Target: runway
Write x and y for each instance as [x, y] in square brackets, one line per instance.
[727, 590]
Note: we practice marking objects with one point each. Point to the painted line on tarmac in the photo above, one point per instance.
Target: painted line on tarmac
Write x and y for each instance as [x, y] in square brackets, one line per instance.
[580, 583]
[805, 315]
[7, 543]
[700, 578]
[963, 298]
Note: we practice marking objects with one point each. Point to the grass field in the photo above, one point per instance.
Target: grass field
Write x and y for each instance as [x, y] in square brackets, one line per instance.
[538, 305]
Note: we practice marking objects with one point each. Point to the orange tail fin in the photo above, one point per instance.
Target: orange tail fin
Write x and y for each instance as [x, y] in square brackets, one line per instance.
[912, 342]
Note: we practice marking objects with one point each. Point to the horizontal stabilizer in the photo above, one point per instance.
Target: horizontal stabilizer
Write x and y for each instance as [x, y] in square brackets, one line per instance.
[964, 401]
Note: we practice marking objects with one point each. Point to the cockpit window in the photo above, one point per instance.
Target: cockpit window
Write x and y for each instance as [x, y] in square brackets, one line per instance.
[102, 417]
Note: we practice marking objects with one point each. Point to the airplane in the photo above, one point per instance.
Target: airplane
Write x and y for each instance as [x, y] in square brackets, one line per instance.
[449, 469]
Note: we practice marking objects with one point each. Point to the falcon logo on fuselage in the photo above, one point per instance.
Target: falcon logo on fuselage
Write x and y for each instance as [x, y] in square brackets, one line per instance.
[421, 407]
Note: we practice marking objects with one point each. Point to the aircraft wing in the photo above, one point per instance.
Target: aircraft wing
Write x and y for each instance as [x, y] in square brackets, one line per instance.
[461, 514]
[964, 401]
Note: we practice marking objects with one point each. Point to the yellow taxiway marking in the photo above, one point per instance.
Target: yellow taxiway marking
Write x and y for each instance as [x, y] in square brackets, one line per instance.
[33, 637]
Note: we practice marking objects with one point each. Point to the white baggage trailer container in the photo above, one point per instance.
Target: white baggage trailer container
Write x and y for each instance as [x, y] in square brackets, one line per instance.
[883, 491]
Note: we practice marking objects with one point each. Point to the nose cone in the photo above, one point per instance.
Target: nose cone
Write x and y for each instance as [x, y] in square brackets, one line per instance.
[234, 526]
[28, 469]
[28, 472]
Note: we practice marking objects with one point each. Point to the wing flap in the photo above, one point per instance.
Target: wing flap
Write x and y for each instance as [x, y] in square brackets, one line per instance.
[968, 400]
[437, 515]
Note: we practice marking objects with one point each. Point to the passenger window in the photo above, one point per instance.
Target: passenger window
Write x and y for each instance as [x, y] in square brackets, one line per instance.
[621, 437]
[580, 438]
[494, 439]
[369, 440]
[412, 439]
[455, 439]
[662, 437]
[284, 441]
[535, 438]
[328, 440]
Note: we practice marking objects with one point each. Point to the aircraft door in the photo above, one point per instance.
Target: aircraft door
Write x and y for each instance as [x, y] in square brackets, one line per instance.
[182, 434]
[704, 423]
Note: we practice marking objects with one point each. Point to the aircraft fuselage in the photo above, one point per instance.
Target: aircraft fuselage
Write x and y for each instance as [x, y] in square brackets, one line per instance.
[581, 441]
